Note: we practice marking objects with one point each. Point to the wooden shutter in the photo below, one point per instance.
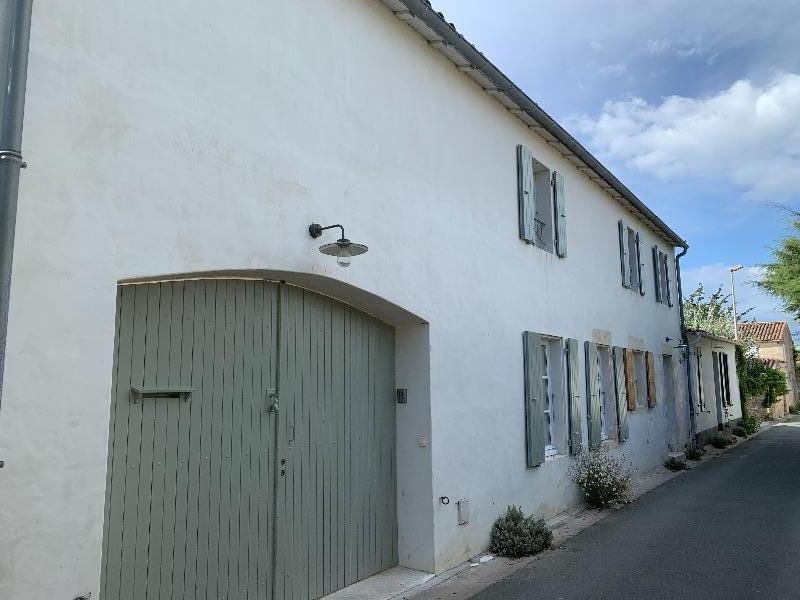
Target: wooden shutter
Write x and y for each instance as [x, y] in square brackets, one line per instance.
[561, 214]
[535, 433]
[624, 262]
[657, 274]
[525, 193]
[574, 392]
[665, 270]
[622, 393]
[593, 395]
[639, 265]
[649, 362]
[630, 388]
[698, 356]
[726, 379]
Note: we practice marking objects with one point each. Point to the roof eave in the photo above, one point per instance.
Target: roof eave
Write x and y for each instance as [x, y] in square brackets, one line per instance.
[449, 36]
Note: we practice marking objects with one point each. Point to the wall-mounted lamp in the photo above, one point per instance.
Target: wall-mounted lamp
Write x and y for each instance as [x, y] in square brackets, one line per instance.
[343, 249]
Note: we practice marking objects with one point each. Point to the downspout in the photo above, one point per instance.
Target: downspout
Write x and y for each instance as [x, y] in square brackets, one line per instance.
[15, 26]
[685, 338]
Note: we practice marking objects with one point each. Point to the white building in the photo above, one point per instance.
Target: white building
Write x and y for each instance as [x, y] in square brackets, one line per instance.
[177, 155]
[714, 383]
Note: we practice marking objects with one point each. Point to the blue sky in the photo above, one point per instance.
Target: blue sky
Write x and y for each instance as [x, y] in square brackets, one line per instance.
[695, 105]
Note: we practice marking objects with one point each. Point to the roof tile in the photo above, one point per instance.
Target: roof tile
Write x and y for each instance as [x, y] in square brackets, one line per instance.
[764, 331]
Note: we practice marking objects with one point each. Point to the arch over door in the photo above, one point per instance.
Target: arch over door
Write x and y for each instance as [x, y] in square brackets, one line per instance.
[211, 494]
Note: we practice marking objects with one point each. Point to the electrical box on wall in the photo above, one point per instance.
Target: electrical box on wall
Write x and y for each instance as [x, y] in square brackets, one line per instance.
[402, 396]
[463, 511]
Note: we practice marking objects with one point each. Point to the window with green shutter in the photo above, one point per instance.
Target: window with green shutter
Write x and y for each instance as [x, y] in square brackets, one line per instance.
[621, 388]
[541, 204]
[547, 414]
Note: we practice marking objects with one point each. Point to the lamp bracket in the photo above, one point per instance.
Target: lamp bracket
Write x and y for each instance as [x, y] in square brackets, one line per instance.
[315, 230]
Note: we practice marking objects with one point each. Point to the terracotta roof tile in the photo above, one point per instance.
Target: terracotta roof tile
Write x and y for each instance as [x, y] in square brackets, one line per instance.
[763, 331]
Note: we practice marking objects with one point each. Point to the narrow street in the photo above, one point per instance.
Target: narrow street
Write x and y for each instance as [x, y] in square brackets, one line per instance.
[728, 529]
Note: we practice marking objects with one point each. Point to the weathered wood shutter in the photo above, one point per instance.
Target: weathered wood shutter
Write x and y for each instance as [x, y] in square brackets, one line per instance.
[535, 432]
[574, 392]
[630, 388]
[624, 261]
[657, 274]
[527, 208]
[665, 269]
[561, 214]
[622, 392]
[649, 361]
[639, 264]
[593, 395]
[726, 379]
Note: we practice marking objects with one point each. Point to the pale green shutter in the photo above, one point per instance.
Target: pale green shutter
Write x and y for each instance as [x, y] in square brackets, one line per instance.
[621, 390]
[525, 193]
[624, 262]
[593, 394]
[561, 214]
[657, 274]
[665, 268]
[639, 264]
[574, 393]
[535, 433]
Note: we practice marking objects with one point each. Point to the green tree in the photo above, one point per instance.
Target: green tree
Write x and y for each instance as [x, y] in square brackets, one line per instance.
[713, 314]
[781, 278]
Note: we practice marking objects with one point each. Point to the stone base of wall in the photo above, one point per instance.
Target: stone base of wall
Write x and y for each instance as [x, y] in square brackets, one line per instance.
[704, 436]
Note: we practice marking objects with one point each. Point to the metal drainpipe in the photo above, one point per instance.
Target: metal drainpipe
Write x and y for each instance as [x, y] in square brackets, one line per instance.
[685, 338]
[15, 26]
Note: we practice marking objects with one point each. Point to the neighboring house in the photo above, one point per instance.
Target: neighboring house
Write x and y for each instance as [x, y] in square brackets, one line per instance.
[199, 402]
[772, 341]
[715, 384]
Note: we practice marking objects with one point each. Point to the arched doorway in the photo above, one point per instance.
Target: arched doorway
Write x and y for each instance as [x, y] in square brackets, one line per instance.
[252, 443]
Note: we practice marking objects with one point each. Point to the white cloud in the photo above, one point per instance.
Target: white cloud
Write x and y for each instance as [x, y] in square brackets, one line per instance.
[747, 134]
[617, 69]
[764, 307]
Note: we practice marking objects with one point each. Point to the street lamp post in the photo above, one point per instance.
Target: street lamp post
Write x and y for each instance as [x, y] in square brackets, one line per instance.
[733, 269]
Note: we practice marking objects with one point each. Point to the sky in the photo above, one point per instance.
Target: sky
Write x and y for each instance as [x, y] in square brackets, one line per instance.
[694, 105]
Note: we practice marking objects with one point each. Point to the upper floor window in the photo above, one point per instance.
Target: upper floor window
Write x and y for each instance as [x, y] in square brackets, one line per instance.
[542, 204]
[630, 258]
[661, 277]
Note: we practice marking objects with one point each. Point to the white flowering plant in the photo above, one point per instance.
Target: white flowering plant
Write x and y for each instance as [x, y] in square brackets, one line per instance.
[604, 477]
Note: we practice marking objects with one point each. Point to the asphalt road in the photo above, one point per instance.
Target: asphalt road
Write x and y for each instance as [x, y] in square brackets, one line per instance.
[728, 529]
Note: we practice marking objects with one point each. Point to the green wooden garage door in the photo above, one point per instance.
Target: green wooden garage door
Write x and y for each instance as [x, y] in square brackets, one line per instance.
[210, 494]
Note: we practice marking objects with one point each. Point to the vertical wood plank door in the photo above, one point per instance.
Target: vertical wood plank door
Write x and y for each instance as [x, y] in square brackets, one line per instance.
[336, 509]
[190, 487]
[212, 495]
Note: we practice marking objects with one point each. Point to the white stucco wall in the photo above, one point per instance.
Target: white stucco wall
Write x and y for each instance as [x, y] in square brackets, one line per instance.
[707, 418]
[180, 137]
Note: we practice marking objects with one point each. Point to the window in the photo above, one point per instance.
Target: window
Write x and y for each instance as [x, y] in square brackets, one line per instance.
[608, 399]
[640, 377]
[543, 211]
[661, 277]
[550, 448]
[545, 398]
[630, 257]
[542, 204]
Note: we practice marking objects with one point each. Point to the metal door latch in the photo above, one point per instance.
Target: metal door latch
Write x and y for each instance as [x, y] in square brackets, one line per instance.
[272, 401]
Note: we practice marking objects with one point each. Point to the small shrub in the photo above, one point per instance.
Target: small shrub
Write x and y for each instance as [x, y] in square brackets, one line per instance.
[604, 478]
[513, 534]
[719, 441]
[794, 409]
[749, 424]
[693, 452]
[673, 463]
[739, 432]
